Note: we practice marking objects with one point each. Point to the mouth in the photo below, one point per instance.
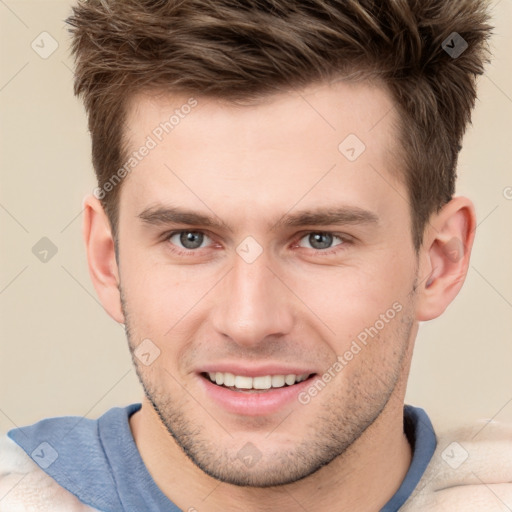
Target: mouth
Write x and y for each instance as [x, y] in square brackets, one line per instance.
[254, 392]
[258, 384]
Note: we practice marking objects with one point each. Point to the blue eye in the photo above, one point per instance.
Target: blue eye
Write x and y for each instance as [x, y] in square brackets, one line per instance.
[320, 241]
[189, 240]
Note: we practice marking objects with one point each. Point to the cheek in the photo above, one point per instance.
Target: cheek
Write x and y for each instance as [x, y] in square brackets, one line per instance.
[373, 356]
[349, 298]
[147, 291]
[161, 299]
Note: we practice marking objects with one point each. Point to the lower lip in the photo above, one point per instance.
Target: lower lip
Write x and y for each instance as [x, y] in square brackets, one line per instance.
[254, 403]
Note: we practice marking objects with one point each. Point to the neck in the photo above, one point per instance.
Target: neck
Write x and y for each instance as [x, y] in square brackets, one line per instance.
[364, 478]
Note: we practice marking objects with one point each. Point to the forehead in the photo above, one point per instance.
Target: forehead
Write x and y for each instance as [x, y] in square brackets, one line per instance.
[321, 109]
[322, 140]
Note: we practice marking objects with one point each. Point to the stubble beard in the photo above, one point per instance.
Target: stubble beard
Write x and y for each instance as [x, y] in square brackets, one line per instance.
[350, 411]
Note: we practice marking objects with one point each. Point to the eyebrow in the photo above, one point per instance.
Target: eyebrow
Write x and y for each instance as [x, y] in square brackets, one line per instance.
[343, 215]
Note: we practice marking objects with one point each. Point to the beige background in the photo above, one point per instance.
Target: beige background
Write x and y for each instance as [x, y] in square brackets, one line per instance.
[61, 354]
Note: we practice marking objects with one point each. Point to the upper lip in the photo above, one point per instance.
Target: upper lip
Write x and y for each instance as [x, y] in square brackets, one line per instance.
[255, 371]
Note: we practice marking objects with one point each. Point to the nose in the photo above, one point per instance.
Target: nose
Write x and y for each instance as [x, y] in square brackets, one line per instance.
[253, 304]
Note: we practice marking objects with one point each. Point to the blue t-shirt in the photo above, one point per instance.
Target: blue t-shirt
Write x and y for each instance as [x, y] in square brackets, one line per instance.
[98, 460]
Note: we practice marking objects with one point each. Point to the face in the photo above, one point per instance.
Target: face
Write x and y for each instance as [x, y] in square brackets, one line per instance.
[258, 246]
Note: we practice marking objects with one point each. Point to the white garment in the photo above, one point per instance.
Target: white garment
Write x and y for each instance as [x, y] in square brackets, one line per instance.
[25, 487]
[482, 482]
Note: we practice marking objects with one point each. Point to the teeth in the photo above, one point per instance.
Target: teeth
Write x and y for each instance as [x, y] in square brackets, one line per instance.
[278, 381]
[290, 379]
[262, 382]
[242, 382]
[229, 379]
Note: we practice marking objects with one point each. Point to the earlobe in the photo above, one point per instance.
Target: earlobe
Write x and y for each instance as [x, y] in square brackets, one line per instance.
[101, 257]
[445, 257]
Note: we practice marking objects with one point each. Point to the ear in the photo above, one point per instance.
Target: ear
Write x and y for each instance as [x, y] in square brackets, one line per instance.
[444, 257]
[101, 257]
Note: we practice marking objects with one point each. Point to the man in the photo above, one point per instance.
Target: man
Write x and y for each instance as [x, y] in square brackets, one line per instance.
[275, 214]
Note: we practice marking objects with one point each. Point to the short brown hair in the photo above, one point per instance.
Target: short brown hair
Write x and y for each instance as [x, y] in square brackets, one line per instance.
[243, 50]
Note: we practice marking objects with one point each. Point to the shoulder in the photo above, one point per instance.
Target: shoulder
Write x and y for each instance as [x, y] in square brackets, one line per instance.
[471, 470]
[25, 487]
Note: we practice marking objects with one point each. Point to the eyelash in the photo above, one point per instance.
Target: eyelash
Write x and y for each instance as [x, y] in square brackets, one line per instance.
[345, 240]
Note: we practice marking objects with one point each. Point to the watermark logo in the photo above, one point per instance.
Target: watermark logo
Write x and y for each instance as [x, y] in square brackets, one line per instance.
[44, 45]
[249, 455]
[147, 352]
[45, 455]
[454, 45]
[44, 250]
[157, 135]
[352, 147]
[249, 249]
[355, 348]
[454, 249]
[455, 455]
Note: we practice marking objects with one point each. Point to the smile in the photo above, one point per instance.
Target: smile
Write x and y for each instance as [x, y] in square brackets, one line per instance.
[260, 383]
